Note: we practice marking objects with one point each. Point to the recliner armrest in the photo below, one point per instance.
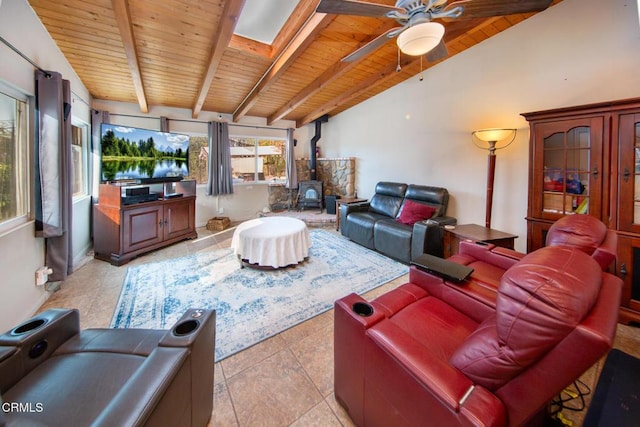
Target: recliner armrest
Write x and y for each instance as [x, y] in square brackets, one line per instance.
[442, 220]
[509, 253]
[6, 352]
[141, 394]
[34, 341]
[346, 210]
[354, 207]
[192, 324]
[347, 305]
[196, 331]
[489, 253]
[427, 236]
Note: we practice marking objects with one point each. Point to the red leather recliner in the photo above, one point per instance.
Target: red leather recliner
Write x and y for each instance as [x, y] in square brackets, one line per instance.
[431, 353]
[581, 231]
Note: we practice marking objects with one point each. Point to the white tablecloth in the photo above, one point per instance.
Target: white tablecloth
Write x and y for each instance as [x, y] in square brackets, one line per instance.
[272, 241]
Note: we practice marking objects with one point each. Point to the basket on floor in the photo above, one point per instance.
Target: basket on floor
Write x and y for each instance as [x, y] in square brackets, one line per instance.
[218, 223]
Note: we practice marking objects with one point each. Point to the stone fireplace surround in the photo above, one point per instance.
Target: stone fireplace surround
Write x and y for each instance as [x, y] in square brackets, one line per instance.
[338, 176]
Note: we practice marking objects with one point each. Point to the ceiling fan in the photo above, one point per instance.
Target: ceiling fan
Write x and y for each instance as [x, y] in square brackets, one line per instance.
[417, 33]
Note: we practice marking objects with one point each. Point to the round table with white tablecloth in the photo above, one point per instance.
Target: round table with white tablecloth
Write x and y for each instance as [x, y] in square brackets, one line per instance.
[271, 242]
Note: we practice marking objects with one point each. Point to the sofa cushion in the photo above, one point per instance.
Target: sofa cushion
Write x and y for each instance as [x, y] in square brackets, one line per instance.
[436, 197]
[540, 301]
[92, 378]
[360, 227]
[388, 198]
[140, 342]
[393, 239]
[412, 212]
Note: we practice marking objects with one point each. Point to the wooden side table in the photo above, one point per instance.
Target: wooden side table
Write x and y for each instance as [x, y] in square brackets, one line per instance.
[345, 201]
[476, 233]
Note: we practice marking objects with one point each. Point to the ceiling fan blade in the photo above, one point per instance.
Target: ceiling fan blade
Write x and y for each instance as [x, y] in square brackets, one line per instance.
[353, 7]
[438, 52]
[487, 8]
[369, 47]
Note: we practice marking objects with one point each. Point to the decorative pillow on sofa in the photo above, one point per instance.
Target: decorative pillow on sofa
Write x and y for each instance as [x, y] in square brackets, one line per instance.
[413, 212]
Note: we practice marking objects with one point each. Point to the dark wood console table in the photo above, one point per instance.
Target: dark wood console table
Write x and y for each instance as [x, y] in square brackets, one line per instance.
[476, 233]
[122, 231]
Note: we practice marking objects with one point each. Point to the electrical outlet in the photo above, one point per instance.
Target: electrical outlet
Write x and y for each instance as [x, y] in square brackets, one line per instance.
[220, 210]
[42, 275]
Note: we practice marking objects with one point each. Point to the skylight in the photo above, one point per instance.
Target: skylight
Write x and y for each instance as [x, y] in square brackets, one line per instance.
[262, 20]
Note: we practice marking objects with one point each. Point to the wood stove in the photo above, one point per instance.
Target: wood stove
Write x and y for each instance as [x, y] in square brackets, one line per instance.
[309, 195]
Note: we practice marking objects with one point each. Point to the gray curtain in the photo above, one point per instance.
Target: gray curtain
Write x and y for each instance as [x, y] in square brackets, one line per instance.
[292, 172]
[220, 180]
[164, 124]
[54, 171]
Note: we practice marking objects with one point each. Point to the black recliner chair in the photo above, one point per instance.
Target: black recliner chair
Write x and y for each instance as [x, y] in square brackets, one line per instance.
[380, 224]
[53, 374]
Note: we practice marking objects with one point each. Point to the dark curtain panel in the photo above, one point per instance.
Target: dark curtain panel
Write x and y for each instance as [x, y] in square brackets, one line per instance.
[164, 124]
[292, 172]
[54, 171]
[220, 180]
[97, 118]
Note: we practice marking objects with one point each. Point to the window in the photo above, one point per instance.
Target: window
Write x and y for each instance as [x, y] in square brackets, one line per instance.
[198, 158]
[258, 159]
[79, 134]
[14, 167]
[252, 159]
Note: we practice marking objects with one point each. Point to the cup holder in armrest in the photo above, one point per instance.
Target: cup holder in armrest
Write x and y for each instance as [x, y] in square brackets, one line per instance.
[362, 309]
[27, 327]
[186, 327]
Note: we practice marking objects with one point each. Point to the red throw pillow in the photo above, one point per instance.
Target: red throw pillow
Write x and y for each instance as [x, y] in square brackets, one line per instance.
[413, 212]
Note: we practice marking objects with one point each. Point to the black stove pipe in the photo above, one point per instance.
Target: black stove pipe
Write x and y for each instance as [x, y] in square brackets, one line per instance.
[314, 145]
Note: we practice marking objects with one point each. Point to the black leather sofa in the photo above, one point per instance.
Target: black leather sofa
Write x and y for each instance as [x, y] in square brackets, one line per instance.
[53, 374]
[376, 224]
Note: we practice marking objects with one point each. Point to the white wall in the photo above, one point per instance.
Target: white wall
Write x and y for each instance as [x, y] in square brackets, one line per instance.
[248, 199]
[574, 53]
[22, 253]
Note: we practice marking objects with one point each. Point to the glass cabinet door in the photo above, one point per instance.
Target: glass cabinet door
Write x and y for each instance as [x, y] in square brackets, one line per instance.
[568, 176]
[629, 172]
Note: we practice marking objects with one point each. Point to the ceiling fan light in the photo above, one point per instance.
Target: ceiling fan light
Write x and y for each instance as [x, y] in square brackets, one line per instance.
[421, 38]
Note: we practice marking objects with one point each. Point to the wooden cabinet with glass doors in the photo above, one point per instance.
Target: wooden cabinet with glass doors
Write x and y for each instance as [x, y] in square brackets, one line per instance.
[627, 135]
[586, 160]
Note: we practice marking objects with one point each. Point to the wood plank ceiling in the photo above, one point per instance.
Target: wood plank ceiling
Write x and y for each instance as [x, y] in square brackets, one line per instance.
[183, 53]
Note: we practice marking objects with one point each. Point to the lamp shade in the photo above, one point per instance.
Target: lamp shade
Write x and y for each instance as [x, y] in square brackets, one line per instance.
[493, 135]
[420, 38]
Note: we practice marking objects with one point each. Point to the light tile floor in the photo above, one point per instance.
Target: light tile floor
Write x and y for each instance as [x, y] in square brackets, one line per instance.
[286, 380]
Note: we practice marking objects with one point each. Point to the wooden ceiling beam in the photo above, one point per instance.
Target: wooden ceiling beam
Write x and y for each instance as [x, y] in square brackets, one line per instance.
[454, 32]
[296, 20]
[292, 25]
[250, 46]
[375, 79]
[334, 72]
[123, 18]
[300, 42]
[228, 21]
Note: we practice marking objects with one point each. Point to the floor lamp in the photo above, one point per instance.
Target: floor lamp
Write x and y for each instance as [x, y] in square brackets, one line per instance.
[492, 140]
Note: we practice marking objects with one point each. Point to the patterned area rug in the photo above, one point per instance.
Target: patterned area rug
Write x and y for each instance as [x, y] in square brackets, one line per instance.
[251, 305]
